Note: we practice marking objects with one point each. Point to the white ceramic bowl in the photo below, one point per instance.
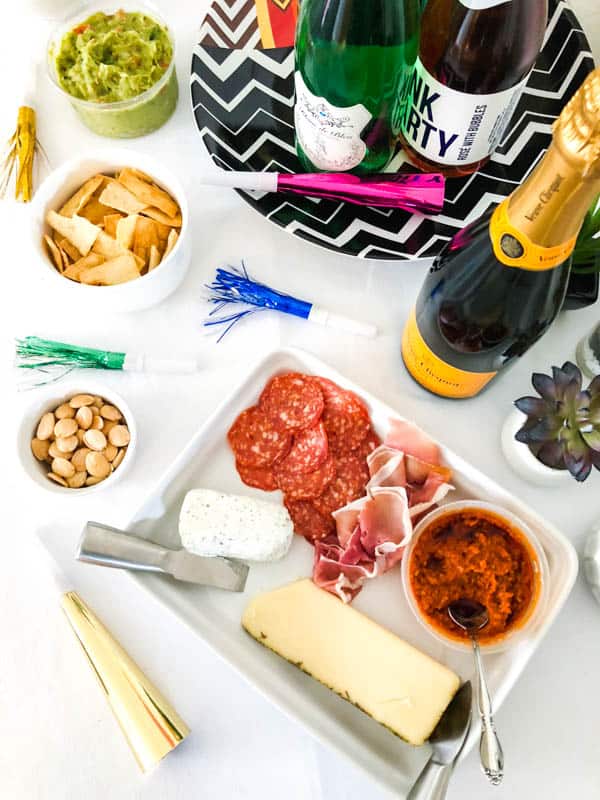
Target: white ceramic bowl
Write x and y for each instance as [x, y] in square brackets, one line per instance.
[536, 608]
[143, 292]
[38, 470]
[522, 460]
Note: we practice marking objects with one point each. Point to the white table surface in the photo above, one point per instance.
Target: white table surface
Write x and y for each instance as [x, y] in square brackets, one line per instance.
[58, 739]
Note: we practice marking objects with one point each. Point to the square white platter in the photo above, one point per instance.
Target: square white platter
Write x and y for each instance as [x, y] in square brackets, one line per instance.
[215, 615]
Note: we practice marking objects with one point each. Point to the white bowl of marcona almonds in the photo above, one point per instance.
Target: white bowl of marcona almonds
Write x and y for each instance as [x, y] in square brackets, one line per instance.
[79, 440]
[111, 231]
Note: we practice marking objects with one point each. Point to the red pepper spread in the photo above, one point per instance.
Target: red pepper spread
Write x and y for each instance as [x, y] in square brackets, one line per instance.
[474, 555]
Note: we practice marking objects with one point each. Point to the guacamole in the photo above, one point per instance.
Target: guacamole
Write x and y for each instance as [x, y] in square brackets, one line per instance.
[115, 58]
[112, 57]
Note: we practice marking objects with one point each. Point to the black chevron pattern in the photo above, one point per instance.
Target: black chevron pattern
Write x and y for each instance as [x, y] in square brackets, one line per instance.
[242, 98]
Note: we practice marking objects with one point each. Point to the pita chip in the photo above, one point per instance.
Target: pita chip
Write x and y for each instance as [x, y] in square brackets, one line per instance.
[67, 247]
[164, 219]
[120, 198]
[144, 237]
[108, 247]
[148, 193]
[116, 270]
[95, 211]
[73, 271]
[110, 224]
[154, 259]
[75, 203]
[125, 231]
[54, 252]
[78, 230]
[171, 242]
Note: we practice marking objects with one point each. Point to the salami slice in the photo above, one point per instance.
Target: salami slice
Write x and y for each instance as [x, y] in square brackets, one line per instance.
[292, 401]
[255, 441]
[308, 521]
[303, 486]
[258, 477]
[346, 422]
[335, 394]
[369, 443]
[309, 450]
[352, 476]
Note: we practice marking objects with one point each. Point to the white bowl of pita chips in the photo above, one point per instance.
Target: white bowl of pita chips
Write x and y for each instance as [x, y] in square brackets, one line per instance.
[112, 230]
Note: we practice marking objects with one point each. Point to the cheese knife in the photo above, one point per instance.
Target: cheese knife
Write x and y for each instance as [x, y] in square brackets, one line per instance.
[447, 741]
[111, 547]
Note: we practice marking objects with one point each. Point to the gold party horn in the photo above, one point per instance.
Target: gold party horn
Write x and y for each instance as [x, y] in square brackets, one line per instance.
[149, 722]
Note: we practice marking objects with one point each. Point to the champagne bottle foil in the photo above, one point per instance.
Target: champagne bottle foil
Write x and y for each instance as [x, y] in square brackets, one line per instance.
[577, 130]
[150, 724]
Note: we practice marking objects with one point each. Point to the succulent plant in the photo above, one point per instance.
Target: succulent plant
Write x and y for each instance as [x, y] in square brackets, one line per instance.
[562, 428]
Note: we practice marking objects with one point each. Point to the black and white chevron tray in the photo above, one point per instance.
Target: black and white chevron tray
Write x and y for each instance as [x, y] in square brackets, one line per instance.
[243, 96]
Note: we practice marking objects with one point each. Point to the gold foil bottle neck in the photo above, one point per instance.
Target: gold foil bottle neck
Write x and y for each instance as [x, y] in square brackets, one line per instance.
[577, 131]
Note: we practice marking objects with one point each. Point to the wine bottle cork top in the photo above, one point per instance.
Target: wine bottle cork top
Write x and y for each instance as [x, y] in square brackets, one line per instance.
[577, 131]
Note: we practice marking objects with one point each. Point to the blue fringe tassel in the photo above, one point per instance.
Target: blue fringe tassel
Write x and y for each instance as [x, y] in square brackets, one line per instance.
[236, 286]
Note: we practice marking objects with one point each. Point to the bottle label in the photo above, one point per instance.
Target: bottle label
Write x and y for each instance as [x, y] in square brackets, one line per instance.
[432, 372]
[330, 136]
[479, 5]
[450, 127]
[515, 249]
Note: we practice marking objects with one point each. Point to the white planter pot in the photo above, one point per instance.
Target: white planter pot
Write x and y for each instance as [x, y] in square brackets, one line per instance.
[522, 460]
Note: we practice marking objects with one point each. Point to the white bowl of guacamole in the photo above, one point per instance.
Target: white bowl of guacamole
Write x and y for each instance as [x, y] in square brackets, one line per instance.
[117, 68]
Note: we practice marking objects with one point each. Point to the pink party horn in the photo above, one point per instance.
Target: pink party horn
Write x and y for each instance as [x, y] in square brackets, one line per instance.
[409, 191]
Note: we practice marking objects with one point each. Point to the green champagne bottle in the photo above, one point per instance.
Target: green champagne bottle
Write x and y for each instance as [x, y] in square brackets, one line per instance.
[352, 57]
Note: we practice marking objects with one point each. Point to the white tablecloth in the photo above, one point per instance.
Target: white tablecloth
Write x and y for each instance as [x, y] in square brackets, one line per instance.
[58, 740]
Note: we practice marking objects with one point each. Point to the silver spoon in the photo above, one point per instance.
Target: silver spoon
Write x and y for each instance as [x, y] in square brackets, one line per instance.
[471, 616]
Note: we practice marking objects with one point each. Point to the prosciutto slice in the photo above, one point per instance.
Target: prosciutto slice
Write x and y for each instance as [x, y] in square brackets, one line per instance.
[372, 532]
[385, 525]
[342, 571]
[387, 467]
[426, 484]
[412, 441]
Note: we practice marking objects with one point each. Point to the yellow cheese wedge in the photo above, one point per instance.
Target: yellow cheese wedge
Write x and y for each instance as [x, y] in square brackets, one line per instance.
[385, 677]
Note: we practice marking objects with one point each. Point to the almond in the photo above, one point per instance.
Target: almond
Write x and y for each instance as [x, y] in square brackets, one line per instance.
[119, 436]
[77, 480]
[67, 444]
[81, 400]
[111, 452]
[62, 467]
[78, 458]
[94, 439]
[55, 452]
[119, 457]
[65, 427]
[97, 465]
[110, 412]
[64, 412]
[45, 428]
[84, 417]
[57, 479]
[40, 447]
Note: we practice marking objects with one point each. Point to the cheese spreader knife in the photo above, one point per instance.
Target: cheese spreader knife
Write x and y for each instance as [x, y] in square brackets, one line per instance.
[446, 741]
[111, 547]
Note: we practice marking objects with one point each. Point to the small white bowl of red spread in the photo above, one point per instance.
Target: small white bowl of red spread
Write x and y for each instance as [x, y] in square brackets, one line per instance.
[473, 550]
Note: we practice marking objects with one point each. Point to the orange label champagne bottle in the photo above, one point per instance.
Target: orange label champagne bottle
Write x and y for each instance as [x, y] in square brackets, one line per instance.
[498, 285]
[474, 59]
